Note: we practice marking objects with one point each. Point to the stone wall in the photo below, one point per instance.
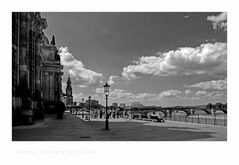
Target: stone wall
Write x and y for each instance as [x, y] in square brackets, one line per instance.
[27, 66]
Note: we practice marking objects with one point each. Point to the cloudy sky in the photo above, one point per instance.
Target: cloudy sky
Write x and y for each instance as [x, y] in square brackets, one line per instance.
[159, 59]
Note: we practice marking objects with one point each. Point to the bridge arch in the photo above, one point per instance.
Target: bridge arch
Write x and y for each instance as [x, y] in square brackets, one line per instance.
[187, 111]
[157, 110]
[223, 110]
[150, 110]
[208, 111]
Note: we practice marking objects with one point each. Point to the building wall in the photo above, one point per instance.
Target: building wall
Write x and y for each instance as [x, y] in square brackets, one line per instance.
[51, 76]
[27, 62]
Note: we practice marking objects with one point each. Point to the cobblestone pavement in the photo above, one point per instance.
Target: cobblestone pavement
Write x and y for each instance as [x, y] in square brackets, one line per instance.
[73, 128]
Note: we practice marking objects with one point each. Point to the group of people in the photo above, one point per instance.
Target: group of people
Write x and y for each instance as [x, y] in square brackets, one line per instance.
[113, 114]
[101, 114]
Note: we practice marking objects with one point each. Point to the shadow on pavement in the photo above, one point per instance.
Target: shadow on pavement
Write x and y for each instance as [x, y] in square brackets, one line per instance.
[72, 128]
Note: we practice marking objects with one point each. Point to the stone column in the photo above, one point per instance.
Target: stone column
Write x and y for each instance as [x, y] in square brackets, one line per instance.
[38, 63]
[57, 89]
[38, 81]
[23, 67]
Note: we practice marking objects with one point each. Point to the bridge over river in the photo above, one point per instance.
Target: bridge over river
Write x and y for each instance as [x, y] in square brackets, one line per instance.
[196, 114]
[168, 111]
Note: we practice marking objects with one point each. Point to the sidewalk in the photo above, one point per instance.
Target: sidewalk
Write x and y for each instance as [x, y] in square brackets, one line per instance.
[73, 128]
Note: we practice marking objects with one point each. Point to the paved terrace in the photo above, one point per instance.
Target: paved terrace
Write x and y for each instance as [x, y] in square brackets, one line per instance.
[73, 128]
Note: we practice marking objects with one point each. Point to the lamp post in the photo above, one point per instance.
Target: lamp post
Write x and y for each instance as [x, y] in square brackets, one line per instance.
[82, 108]
[89, 107]
[106, 91]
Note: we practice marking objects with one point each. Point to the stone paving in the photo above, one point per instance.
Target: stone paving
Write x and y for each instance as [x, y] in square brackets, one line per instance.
[73, 128]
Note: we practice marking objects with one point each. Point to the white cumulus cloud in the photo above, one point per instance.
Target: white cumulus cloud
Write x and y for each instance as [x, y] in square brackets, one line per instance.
[200, 93]
[209, 58]
[218, 21]
[188, 92]
[170, 94]
[99, 90]
[210, 85]
[79, 74]
[214, 95]
[121, 95]
[112, 79]
[77, 96]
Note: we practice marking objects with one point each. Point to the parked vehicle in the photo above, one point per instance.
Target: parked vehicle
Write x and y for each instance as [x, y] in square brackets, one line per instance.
[157, 118]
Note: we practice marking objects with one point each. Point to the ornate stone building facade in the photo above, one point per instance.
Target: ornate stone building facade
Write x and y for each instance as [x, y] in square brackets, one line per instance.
[51, 74]
[36, 68]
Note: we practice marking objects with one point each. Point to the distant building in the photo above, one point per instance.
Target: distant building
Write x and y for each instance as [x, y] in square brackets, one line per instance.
[219, 106]
[68, 95]
[137, 105]
[122, 105]
[209, 106]
[115, 105]
[127, 107]
[93, 103]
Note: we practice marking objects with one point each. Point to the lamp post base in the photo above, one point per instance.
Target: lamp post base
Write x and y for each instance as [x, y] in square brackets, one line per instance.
[106, 124]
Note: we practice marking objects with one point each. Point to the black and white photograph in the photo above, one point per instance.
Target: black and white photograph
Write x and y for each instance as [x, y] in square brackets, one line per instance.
[119, 76]
[119, 82]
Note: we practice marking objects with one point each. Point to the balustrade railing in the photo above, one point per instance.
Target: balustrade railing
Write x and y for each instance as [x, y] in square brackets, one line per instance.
[202, 119]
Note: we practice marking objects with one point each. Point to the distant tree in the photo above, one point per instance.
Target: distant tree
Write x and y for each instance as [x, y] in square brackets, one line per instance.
[225, 106]
[98, 106]
[209, 105]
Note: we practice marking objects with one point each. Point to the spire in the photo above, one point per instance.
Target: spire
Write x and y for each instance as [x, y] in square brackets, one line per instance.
[53, 40]
[68, 87]
[69, 80]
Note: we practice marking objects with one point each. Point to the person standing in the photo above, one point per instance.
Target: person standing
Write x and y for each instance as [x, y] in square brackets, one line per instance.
[60, 108]
[101, 114]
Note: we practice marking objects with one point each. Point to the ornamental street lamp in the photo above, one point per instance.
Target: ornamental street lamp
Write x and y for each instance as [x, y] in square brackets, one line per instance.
[89, 107]
[106, 91]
